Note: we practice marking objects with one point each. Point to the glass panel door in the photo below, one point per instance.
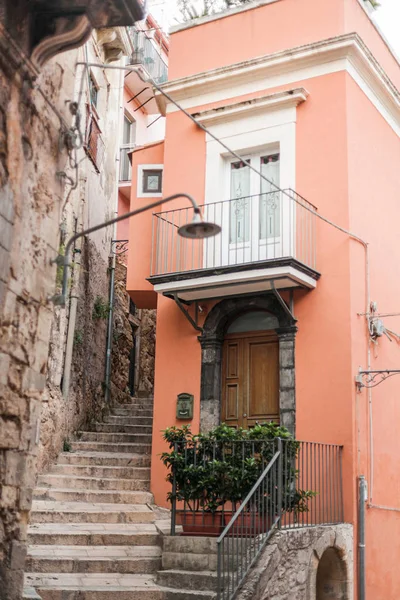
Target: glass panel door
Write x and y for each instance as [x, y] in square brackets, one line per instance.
[128, 143]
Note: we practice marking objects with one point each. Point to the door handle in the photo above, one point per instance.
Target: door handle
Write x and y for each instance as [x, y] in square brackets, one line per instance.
[244, 416]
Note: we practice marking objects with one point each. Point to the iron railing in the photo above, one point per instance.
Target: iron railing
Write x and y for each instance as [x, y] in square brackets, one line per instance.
[256, 228]
[125, 167]
[291, 492]
[242, 490]
[146, 54]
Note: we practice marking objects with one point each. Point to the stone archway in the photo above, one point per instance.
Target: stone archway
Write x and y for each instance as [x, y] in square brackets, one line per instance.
[216, 323]
[331, 583]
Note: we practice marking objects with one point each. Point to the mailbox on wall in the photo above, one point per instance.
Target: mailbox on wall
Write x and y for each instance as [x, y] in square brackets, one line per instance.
[184, 406]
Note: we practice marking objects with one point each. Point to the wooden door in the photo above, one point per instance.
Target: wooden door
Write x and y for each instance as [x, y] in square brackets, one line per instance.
[250, 379]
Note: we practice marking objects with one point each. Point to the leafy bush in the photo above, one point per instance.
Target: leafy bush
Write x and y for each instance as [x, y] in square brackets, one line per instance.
[101, 309]
[208, 470]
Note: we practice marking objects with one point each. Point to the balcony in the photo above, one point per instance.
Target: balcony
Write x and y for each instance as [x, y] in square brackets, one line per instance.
[267, 240]
[147, 56]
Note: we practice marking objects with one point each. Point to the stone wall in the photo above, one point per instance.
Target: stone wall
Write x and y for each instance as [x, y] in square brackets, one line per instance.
[85, 404]
[295, 563]
[30, 199]
[39, 203]
[129, 328]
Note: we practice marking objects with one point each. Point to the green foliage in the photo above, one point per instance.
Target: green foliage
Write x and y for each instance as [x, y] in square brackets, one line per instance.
[78, 337]
[67, 446]
[207, 470]
[101, 309]
[60, 268]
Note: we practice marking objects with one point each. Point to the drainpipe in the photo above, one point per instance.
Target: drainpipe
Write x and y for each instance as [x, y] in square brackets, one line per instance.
[362, 498]
[107, 379]
[73, 307]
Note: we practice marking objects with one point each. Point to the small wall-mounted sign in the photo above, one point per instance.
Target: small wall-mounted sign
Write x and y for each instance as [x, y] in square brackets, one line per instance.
[184, 406]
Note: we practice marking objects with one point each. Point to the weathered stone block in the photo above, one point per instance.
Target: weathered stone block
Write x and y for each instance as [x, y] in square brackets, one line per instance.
[287, 378]
[4, 367]
[10, 433]
[6, 233]
[287, 400]
[286, 355]
[5, 260]
[9, 495]
[32, 381]
[15, 468]
[18, 555]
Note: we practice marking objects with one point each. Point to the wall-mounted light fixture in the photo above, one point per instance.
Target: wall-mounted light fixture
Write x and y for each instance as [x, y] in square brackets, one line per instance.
[197, 229]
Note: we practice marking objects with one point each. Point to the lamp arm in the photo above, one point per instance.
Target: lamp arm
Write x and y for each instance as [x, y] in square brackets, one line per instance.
[60, 299]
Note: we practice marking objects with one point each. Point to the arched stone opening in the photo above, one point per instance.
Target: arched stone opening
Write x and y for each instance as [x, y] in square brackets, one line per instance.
[215, 327]
[331, 581]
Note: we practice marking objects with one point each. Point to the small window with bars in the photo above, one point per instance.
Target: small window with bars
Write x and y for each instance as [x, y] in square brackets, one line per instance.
[152, 181]
[95, 147]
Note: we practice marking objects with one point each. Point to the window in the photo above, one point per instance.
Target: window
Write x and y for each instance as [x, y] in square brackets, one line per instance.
[149, 181]
[255, 203]
[93, 91]
[240, 193]
[128, 143]
[152, 181]
[95, 147]
[270, 198]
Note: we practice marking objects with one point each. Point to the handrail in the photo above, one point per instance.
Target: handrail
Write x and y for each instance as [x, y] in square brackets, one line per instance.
[249, 495]
[236, 559]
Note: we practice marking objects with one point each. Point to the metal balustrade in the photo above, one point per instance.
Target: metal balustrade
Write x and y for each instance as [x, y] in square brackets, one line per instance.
[125, 167]
[146, 54]
[262, 227]
[244, 490]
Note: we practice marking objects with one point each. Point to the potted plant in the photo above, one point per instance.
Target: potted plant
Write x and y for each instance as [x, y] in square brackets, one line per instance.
[212, 474]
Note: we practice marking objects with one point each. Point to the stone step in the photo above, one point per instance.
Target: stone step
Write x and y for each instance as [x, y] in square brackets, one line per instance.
[132, 411]
[127, 438]
[111, 447]
[136, 400]
[188, 561]
[108, 459]
[94, 586]
[29, 593]
[46, 511]
[113, 419]
[93, 483]
[101, 471]
[107, 496]
[93, 559]
[188, 580]
[190, 544]
[117, 428]
[92, 534]
[179, 594]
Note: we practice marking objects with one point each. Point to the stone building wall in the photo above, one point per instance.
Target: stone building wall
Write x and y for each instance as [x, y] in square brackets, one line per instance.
[304, 564]
[38, 205]
[131, 328]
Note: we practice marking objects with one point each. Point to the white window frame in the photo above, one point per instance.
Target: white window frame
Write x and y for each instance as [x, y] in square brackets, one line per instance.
[140, 169]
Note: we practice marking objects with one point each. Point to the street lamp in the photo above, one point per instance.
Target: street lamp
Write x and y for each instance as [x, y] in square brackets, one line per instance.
[197, 229]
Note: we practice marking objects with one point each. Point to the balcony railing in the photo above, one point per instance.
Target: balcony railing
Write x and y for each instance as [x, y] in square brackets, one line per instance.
[146, 54]
[125, 167]
[262, 227]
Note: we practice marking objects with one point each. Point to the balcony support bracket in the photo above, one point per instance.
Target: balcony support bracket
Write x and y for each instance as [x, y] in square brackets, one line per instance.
[193, 322]
[289, 311]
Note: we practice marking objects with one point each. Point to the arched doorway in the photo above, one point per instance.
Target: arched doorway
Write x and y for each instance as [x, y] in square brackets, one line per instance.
[250, 370]
[331, 576]
[228, 318]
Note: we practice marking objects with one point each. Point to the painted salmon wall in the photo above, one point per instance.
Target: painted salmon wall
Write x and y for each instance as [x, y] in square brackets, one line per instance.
[324, 401]
[374, 188]
[140, 232]
[254, 32]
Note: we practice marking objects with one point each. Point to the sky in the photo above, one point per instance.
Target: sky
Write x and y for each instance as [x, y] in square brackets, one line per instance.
[387, 17]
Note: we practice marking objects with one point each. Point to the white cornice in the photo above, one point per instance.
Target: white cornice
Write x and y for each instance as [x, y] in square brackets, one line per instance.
[229, 112]
[347, 52]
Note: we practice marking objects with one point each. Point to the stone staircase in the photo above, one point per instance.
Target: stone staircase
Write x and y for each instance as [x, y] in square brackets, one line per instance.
[93, 534]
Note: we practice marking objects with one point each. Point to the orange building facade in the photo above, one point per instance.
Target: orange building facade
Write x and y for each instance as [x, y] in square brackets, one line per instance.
[307, 93]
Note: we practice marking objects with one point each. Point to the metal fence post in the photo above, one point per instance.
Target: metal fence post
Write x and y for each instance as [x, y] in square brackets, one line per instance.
[280, 482]
[173, 506]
